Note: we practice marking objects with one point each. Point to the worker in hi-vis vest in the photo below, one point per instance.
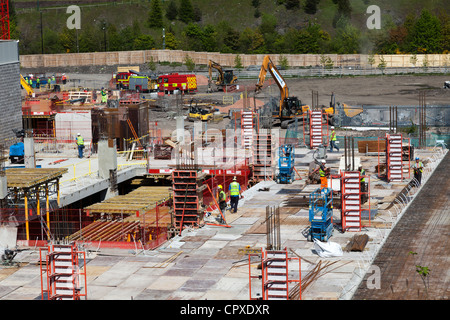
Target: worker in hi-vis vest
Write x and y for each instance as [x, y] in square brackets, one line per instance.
[80, 145]
[333, 140]
[418, 169]
[363, 184]
[235, 192]
[222, 204]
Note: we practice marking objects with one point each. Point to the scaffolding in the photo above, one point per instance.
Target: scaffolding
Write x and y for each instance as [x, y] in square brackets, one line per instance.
[186, 202]
[315, 126]
[275, 275]
[62, 276]
[263, 162]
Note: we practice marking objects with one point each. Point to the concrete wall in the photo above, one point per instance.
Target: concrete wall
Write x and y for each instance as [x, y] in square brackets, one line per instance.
[10, 92]
[224, 59]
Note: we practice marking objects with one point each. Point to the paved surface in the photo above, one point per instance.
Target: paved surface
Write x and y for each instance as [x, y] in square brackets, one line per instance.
[207, 263]
[420, 238]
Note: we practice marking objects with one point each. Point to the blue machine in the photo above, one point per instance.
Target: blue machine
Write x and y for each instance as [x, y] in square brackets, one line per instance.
[16, 153]
[286, 159]
[320, 214]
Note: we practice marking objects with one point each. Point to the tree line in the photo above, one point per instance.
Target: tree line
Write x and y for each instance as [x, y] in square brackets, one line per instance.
[422, 33]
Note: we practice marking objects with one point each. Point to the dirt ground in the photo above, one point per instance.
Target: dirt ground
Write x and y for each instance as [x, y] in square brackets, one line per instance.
[369, 90]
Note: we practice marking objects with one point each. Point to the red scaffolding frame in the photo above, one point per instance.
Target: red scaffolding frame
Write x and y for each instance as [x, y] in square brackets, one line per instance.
[274, 274]
[63, 274]
[4, 20]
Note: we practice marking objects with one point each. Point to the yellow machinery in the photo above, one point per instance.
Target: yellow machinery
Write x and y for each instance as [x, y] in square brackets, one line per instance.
[26, 86]
[225, 77]
[203, 114]
[289, 107]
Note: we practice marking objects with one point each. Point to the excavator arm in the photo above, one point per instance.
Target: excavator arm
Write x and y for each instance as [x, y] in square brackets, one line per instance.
[26, 86]
[269, 66]
[216, 66]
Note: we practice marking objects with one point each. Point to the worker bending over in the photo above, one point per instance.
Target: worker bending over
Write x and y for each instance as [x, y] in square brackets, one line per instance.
[323, 173]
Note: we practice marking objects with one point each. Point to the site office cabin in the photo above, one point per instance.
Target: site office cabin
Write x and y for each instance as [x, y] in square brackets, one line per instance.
[186, 83]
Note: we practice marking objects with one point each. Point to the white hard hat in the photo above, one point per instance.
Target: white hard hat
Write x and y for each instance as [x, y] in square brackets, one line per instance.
[323, 161]
[332, 127]
[78, 134]
[234, 178]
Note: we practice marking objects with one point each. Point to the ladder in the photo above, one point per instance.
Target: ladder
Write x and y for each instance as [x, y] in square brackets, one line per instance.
[63, 273]
[351, 201]
[315, 129]
[394, 161]
[247, 128]
[275, 275]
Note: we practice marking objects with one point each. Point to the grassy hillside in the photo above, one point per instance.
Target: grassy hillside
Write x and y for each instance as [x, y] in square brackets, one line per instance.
[239, 14]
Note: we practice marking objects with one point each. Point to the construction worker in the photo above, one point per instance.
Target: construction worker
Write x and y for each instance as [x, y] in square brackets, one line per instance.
[80, 145]
[363, 184]
[322, 170]
[235, 192]
[222, 203]
[49, 82]
[104, 95]
[38, 83]
[333, 140]
[418, 169]
[63, 78]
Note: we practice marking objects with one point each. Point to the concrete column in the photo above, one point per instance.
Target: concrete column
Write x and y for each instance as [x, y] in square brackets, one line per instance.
[107, 165]
[3, 187]
[180, 129]
[29, 157]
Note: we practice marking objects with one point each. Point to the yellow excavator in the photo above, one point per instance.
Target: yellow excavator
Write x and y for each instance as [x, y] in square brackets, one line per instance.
[225, 77]
[26, 86]
[289, 107]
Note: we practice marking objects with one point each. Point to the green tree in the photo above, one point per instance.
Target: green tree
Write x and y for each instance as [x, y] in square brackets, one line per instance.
[251, 41]
[67, 39]
[114, 40]
[311, 6]
[155, 17]
[426, 36]
[186, 11]
[347, 38]
[172, 10]
[171, 42]
[292, 4]
[144, 42]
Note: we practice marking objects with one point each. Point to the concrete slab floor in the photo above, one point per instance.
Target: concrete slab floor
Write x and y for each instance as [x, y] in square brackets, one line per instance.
[210, 266]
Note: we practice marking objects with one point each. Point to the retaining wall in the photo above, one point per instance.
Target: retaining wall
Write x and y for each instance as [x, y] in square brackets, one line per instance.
[227, 59]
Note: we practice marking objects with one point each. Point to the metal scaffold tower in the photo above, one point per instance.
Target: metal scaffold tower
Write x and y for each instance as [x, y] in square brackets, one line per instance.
[186, 203]
[394, 159]
[262, 160]
[247, 126]
[62, 276]
[4, 20]
[275, 278]
[315, 126]
[351, 201]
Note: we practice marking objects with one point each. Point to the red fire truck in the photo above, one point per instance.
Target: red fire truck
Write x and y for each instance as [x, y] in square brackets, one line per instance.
[123, 79]
[186, 83]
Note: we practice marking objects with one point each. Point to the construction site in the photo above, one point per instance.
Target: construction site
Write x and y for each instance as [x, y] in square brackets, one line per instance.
[342, 194]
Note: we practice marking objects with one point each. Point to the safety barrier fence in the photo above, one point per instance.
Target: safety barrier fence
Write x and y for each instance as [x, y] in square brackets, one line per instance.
[143, 230]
